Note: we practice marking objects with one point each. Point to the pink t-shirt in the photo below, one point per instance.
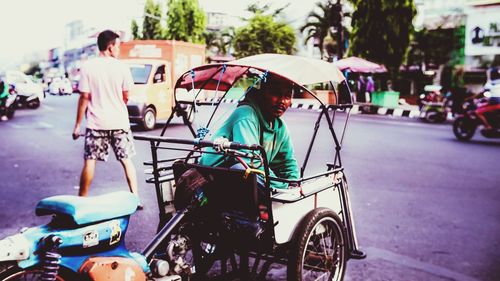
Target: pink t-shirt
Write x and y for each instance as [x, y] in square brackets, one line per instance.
[105, 78]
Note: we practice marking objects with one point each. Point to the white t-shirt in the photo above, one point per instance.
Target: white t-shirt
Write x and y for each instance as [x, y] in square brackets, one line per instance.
[105, 78]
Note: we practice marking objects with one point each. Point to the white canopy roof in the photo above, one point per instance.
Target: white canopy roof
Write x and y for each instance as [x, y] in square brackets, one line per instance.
[302, 70]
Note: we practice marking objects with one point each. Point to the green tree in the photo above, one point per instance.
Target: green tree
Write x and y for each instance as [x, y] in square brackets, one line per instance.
[219, 42]
[134, 27]
[151, 25]
[318, 25]
[186, 21]
[381, 31]
[431, 47]
[264, 35]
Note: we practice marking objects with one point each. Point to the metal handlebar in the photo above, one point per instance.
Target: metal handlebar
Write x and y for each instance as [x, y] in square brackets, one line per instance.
[221, 144]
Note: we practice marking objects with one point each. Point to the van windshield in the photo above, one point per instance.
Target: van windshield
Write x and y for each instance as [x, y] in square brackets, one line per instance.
[140, 73]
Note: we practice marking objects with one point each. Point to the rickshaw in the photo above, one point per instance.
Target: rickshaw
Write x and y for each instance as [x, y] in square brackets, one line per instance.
[217, 222]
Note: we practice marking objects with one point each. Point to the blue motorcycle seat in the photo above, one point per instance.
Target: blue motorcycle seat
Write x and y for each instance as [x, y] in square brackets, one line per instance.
[85, 210]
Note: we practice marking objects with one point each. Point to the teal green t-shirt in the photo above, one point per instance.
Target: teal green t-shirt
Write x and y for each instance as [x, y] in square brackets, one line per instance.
[247, 125]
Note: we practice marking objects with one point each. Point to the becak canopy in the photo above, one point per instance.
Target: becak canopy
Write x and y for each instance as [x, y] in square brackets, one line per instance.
[296, 69]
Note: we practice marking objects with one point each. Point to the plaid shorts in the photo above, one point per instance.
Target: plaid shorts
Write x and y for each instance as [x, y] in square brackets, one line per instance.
[97, 143]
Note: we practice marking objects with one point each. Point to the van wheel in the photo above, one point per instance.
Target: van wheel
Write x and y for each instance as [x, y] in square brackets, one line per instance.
[149, 119]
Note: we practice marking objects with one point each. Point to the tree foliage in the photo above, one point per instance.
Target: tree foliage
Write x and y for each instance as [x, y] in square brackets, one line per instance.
[263, 34]
[381, 31]
[151, 25]
[219, 42]
[431, 47]
[318, 25]
[134, 27]
[186, 21]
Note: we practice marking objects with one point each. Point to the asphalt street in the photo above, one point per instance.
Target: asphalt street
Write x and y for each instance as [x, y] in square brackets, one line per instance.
[425, 205]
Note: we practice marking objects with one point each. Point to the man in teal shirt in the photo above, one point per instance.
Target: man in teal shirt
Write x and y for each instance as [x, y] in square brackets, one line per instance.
[257, 120]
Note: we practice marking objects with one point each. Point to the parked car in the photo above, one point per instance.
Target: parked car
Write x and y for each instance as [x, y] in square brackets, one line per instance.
[29, 93]
[61, 86]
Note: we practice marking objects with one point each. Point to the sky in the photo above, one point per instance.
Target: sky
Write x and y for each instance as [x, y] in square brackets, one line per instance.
[35, 26]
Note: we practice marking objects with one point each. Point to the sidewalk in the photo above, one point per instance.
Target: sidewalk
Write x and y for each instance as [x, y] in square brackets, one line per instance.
[410, 111]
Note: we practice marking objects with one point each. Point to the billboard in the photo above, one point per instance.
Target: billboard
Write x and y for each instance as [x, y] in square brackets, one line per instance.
[482, 34]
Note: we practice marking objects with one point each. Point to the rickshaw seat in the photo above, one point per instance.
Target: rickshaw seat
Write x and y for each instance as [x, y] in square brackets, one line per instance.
[227, 190]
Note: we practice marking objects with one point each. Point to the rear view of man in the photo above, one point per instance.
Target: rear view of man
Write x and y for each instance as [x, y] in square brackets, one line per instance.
[104, 86]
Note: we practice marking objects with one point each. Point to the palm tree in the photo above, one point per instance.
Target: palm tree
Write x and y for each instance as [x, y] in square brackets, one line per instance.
[318, 24]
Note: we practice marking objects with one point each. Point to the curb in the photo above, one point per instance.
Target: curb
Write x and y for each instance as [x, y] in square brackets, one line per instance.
[357, 109]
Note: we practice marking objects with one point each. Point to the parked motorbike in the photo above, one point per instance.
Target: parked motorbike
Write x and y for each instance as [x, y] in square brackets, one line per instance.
[466, 123]
[9, 108]
[436, 112]
[31, 101]
[84, 240]
[431, 94]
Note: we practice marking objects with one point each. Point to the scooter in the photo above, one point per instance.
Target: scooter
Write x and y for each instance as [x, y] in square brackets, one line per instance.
[436, 112]
[466, 123]
[84, 241]
[8, 107]
[31, 101]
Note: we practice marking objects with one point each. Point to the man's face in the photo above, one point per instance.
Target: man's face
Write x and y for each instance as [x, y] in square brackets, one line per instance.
[277, 97]
[115, 49]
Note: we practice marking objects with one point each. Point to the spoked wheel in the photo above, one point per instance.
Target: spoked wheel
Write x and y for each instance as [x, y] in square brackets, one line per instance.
[463, 129]
[318, 251]
[10, 272]
[189, 252]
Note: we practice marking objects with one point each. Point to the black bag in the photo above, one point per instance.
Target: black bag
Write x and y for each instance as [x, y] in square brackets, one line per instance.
[189, 184]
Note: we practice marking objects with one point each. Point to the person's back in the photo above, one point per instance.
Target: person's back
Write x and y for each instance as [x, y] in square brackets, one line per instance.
[104, 86]
[105, 78]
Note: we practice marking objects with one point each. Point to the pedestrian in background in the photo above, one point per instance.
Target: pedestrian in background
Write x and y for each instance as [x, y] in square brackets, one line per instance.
[104, 86]
[4, 93]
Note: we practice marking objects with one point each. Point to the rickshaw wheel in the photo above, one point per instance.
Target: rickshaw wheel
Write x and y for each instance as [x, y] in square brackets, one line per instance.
[318, 250]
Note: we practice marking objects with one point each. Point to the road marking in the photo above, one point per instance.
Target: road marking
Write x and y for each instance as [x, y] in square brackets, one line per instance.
[374, 253]
[37, 125]
[48, 107]
[399, 122]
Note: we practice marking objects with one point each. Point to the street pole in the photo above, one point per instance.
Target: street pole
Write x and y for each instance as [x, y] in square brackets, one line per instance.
[337, 9]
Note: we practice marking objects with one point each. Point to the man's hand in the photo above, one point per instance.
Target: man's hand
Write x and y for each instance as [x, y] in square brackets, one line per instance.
[76, 132]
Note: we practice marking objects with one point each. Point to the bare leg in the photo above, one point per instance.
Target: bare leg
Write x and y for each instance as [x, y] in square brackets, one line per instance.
[86, 177]
[130, 173]
[487, 125]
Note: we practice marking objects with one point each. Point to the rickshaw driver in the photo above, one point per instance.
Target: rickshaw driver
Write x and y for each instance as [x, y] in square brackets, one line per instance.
[257, 120]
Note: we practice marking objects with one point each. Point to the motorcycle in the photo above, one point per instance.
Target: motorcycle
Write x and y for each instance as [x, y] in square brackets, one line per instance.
[436, 112]
[466, 123]
[9, 108]
[431, 94]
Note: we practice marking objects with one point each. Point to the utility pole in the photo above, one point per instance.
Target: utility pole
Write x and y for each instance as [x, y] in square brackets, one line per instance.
[337, 23]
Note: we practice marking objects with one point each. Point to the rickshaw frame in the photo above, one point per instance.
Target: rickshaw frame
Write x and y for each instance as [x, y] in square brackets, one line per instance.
[162, 169]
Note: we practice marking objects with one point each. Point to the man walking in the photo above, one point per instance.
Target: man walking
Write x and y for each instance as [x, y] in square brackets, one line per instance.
[104, 86]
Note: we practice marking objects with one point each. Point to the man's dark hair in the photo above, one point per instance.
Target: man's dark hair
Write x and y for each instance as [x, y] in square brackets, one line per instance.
[106, 38]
